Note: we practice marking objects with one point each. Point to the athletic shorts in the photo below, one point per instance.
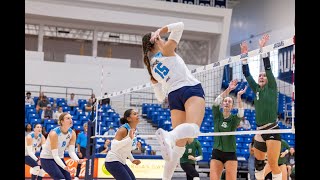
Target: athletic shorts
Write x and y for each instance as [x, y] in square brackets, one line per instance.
[260, 139]
[223, 156]
[178, 97]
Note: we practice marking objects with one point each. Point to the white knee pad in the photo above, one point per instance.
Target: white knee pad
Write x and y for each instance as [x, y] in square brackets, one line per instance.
[35, 170]
[196, 178]
[186, 130]
[41, 173]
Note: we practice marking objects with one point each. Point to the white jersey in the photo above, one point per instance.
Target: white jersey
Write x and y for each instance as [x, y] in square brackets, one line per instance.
[35, 142]
[124, 152]
[171, 72]
[63, 141]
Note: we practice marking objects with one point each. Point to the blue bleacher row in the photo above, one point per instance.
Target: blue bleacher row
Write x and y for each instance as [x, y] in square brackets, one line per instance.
[160, 117]
[107, 117]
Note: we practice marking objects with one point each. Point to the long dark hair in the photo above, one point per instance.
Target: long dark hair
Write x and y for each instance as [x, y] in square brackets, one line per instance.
[147, 46]
[126, 114]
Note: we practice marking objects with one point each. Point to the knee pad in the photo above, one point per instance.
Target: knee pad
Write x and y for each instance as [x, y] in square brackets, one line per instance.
[35, 170]
[259, 164]
[259, 169]
[196, 178]
[41, 173]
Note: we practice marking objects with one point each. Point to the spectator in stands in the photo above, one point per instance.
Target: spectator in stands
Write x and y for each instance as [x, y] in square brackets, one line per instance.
[93, 98]
[169, 75]
[105, 101]
[42, 103]
[72, 102]
[244, 123]
[47, 113]
[32, 141]
[282, 160]
[188, 160]
[224, 148]
[290, 160]
[52, 153]
[251, 161]
[81, 147]
[57, 114]
[88, 106]
[29, 99]
[265, 103]
[28, 129]
[139, 149]
[41, 94]
[106, 147]
[121, 147]
[110, 131]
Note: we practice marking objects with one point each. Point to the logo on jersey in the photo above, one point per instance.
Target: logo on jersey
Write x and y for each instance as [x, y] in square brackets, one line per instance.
[68, 137]
[224, 124]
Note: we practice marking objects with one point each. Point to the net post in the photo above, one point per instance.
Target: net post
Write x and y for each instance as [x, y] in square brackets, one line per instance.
[91, 144]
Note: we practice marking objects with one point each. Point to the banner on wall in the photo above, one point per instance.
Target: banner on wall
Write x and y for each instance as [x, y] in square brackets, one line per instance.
[285, 63]
[149, 168]
[69, 162]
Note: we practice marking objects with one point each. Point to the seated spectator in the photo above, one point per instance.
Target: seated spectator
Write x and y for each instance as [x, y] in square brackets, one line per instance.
[57, 113]
[93, 98]
[72, 102]
[245, 124]
[28, 129]
[139, 150]
[42, 103]
[106, 147]
[290, 160]
[29, 100]
[105, 101]
[47, 113]
[110, 131]
[88, 107]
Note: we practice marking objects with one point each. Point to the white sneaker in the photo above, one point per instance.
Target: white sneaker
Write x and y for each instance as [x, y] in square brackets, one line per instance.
[165, 142]
[76, 178]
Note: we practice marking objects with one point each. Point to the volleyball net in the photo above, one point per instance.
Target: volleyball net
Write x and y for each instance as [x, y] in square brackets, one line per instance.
[215, 78]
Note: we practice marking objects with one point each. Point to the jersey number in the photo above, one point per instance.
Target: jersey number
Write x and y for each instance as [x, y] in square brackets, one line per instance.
[63, 143]
[161, 70]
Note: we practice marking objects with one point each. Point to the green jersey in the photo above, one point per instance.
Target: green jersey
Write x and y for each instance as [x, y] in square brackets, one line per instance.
[284, 146]
[265, 101]
[224, 143]
[193, 149]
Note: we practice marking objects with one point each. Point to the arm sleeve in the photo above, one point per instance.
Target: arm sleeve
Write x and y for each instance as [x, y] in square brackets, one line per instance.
[57, 158]
[176, 30]
[72, 153]
[160, 95]
[31, 154]
[271, 79]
